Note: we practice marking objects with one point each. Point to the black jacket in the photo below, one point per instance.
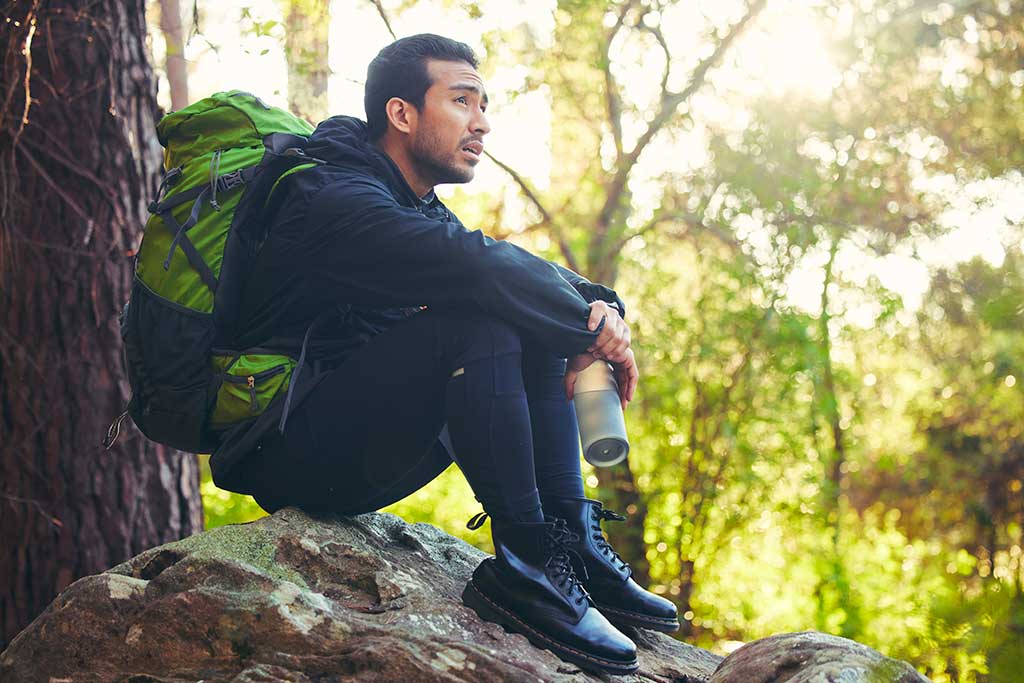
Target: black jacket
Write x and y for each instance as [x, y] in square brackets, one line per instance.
[352, 237]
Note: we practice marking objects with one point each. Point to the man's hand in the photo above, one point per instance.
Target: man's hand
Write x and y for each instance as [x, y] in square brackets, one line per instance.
[614, 339]
[612, 345]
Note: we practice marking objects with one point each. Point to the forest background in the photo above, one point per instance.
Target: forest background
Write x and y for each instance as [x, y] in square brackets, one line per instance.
[814, 211]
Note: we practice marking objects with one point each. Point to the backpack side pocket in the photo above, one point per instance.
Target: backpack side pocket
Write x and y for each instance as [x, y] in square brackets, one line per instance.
[249, 381]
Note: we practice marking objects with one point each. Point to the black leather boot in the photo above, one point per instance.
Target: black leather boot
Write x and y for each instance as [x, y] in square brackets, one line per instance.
[529, 587]
[605, 575]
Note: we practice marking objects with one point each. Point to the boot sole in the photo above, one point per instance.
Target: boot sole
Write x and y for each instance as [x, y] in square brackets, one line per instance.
[621, 617]
[488, 610]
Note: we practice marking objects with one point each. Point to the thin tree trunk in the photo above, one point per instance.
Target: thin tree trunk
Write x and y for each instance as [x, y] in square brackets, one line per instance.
[307, 24]
[617, 488]
[830, 402]
[174, 38]
[686, 576]
[78, 162]
[833, 591]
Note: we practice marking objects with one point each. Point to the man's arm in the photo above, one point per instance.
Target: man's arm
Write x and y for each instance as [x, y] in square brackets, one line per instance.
[357, 240]
[590, 290]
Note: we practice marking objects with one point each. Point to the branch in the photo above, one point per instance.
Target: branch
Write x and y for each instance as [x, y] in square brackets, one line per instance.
[384, 16]
[690, 221]
[30, 19]
[104, 189]
[578, 101]
[669, 103]
[663, 214]
[660, 37]
[657, 219]
[89, 222]
[505, 234]
[611, 91]
[546, 218]
[50, 517]
[524, 186]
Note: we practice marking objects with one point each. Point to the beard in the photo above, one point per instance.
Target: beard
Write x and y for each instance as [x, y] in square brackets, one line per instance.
[438, 165]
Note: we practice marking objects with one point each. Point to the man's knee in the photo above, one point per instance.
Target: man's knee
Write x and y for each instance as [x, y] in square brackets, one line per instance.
[487, 335]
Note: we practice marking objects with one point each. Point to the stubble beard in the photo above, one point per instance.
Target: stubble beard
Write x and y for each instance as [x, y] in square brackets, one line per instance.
[436, 165]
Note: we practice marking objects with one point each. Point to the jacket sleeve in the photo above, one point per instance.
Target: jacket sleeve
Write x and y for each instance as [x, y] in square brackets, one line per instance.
[361, 243]
[589, 290]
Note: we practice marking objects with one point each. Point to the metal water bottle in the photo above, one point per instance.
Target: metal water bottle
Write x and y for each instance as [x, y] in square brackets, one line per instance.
[599, 415]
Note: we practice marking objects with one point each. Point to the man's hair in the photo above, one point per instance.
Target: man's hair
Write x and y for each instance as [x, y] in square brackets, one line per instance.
[400, 70]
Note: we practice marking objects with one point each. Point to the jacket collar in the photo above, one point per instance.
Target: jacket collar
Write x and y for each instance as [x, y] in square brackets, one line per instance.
[343, 141]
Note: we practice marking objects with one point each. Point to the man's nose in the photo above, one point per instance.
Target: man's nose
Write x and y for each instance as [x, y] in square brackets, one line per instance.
[480, 125]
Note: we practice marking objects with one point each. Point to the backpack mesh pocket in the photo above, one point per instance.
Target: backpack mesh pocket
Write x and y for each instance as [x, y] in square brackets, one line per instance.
[168, 370]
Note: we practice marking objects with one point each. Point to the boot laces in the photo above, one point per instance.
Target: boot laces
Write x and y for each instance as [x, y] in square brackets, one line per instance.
[600, 514]
[557, 541]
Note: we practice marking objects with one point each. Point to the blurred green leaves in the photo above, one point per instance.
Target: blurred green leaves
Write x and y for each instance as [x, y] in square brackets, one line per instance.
[812, 446]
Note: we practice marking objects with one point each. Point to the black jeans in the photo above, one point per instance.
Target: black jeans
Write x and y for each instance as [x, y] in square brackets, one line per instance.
[368, 434]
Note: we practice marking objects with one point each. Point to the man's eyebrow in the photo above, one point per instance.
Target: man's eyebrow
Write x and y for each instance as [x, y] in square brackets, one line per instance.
[472, 87]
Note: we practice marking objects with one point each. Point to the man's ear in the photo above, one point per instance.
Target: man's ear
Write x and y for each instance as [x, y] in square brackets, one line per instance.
[401, 114]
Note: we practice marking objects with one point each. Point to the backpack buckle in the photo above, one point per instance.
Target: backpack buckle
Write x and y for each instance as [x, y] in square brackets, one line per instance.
[230, 180]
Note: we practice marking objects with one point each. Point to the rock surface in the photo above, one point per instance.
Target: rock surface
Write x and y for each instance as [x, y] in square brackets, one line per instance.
[812, 657]
[299, 599]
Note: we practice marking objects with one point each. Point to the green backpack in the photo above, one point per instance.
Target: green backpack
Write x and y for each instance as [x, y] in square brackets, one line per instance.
[224, 156]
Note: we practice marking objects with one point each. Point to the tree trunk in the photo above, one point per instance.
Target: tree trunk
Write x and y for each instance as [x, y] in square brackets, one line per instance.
[830, 406]
[177, 67]
[617, 491]
[686, 576]
[78, 163]
[617, 485]
[307, 27]
[833, 591]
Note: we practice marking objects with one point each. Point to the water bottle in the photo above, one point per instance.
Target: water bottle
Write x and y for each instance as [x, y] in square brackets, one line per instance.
[599, 415]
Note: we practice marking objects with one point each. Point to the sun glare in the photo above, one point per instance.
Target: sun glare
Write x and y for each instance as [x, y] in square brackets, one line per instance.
[788, 53]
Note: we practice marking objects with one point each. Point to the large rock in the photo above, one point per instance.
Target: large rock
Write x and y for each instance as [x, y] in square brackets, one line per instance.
[299, 599]
[812, 657]
[293, 598]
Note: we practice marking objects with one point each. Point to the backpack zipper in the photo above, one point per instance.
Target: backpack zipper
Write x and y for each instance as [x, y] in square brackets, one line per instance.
[251, 380]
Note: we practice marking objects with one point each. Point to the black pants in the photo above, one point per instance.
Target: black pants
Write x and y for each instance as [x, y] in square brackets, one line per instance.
[368, 434]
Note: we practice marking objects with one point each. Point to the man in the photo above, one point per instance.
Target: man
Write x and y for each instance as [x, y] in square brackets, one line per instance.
[413, 324]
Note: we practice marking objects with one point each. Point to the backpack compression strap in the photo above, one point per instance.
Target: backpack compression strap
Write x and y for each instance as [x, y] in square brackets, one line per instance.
[200, 193]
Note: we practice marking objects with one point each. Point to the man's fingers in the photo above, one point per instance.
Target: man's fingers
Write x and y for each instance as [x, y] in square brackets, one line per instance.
[596, 313]
[634, 377]
[615, 352]
[612, 345]
[627, 376]
[619, 350]
[570, 383]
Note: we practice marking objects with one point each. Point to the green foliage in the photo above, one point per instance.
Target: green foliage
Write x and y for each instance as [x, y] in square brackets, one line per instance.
[222, 507]
[811, 448]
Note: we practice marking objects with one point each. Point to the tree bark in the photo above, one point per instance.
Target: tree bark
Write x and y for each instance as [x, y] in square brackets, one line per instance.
[174, 39]
[307, 27]
[79, 161]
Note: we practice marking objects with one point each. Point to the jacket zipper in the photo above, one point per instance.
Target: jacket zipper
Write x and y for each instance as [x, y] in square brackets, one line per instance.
[251, 380]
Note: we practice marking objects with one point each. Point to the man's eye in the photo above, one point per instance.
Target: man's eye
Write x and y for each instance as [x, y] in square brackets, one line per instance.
[462, 98]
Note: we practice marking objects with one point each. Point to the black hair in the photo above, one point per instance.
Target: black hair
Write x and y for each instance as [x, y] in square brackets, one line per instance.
[400, 70]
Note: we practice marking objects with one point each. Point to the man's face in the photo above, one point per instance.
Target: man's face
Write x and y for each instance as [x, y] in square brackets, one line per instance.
[447, 141]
